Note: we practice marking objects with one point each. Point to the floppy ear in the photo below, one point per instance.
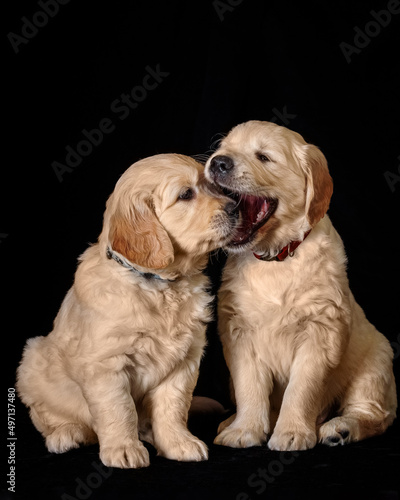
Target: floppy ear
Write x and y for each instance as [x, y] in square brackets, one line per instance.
[319, 183]
[139, 236]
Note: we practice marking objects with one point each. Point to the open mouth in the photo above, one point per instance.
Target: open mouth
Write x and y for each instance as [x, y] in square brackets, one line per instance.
[255, 212]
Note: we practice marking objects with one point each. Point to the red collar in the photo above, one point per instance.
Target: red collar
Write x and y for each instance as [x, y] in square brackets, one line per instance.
[288, 250]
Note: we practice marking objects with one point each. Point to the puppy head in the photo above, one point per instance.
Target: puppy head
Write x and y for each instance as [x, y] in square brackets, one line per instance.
[162, 214]
[281, 183]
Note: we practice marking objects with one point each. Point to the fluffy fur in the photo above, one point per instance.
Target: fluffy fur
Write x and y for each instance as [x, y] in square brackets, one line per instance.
[123, 357]
[305, 363]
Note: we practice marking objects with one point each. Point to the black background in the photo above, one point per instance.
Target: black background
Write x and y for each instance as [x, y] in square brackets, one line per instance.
[222, 66]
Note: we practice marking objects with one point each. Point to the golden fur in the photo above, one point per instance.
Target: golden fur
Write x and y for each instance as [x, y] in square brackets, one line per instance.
[123, 357]
[305, 363]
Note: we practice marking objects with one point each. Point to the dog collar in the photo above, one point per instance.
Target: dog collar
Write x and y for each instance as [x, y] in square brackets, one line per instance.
[288, 250]
[148, 276]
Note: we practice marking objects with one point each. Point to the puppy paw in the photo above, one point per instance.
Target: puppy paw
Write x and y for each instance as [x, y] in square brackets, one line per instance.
[240, 437]
[292, 440]
[185, 449]
[337, 431]
[132, 455]
[69, 436]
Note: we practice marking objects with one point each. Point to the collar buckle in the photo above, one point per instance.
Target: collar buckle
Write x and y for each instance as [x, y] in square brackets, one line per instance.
[290, 252]
[287, 251]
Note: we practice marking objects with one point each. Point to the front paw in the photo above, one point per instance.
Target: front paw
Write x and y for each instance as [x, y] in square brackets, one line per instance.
[185, 448]
[238, 437]
[131, 455]
[291, 440]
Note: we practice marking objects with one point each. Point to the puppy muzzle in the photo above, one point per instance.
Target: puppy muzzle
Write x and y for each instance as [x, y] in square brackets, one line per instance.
[220, 167]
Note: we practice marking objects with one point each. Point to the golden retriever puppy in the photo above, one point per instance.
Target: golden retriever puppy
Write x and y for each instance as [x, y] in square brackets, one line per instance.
[123, 357]
[305, 363]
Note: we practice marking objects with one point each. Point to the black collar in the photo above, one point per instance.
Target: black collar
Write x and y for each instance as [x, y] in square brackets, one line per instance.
[148, 276]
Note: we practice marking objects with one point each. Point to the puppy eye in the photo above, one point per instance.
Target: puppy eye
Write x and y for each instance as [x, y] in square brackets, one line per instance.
[262, 157]
[187, 195]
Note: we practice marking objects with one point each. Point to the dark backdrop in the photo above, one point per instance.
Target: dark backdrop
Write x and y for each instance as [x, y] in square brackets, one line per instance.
[193, 70]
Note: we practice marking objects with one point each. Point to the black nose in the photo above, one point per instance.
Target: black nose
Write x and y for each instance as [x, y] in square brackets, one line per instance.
[221, 164]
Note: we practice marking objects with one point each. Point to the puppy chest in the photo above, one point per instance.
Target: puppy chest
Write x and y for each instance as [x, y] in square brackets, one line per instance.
[164, 339]
[260, 317]
[156, 354]
[270, 294]
[172, 315]
[258, 301]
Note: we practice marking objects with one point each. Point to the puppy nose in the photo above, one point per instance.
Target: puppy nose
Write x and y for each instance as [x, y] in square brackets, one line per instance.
[232, 209]
[221, 164]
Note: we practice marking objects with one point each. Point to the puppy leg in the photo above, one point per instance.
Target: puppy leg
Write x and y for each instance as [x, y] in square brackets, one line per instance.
[369, 404]
[253, 384]
[115, 419]
[57, 408]
[359, 420]
[296, 425]
[144, 422]
[62, 433]
[170, 402]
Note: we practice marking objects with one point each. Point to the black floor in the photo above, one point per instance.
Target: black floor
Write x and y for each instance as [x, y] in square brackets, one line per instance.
[366, 470]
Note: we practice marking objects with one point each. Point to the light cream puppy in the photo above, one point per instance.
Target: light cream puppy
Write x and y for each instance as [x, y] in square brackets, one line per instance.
[123, 357]
[298, 346]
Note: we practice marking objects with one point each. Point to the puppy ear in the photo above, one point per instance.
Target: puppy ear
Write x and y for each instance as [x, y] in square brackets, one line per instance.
[319, 183]
[139, 237]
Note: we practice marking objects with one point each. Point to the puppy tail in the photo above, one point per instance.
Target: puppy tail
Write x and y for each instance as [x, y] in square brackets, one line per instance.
[205, 406]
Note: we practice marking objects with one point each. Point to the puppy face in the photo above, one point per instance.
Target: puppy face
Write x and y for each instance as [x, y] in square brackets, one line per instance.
[163, 212]
[281, 184]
